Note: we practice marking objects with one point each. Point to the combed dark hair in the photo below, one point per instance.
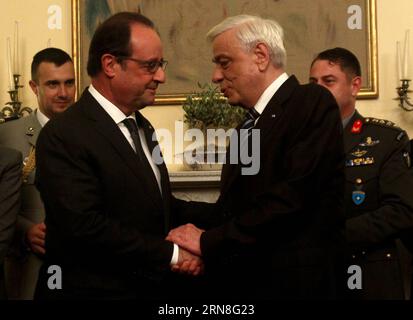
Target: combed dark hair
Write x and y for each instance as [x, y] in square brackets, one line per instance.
[53, 55]
[112, 37]
[346, 59]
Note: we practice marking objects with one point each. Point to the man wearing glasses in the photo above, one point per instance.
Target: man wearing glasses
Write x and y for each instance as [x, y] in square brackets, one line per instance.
[107, 199]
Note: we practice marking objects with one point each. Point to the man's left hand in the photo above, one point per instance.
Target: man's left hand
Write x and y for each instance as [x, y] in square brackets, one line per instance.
[187, 236]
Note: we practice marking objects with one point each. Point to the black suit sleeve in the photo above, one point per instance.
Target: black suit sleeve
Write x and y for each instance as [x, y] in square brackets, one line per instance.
[68, 179]
[202, 214]
[395, 213]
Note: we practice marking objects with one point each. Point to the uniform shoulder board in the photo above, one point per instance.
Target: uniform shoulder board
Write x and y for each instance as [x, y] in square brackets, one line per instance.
[382, 123]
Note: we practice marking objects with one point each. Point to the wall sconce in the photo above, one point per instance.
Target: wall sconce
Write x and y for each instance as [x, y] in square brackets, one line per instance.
[403, 97]
[13, 109]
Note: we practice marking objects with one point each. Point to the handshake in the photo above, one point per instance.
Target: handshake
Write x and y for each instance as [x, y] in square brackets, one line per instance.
[187, 237]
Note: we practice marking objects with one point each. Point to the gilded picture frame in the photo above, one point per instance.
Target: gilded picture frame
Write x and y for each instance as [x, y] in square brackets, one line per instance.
[309, 26]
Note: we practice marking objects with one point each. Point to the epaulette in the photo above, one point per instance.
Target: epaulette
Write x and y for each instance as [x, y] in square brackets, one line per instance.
[386, 124]
[382, 123]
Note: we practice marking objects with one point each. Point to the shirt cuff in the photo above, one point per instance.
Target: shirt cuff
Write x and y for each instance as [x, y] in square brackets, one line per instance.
[175, 255]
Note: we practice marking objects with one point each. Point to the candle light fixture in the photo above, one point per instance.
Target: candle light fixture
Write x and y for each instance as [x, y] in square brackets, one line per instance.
[404, 100]
[13, 109]
[402, 73]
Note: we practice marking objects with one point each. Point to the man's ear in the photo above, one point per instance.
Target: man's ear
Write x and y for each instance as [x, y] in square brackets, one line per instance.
[262, 55]
[355, 85]
[108, 62]
[33, 86]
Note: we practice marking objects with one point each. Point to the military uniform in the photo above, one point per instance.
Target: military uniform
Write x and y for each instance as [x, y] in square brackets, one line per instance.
[22, 266]
[379, 205]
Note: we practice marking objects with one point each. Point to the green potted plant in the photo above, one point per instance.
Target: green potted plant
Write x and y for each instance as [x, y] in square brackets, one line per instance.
[208, 109]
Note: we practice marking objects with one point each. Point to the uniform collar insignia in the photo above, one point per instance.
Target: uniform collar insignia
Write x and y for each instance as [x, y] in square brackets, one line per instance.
[30, 131]
[357, 126]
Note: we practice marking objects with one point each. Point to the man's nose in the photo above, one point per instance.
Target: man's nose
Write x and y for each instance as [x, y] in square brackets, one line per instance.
[217, 75]
[160, 75]
[63, 92]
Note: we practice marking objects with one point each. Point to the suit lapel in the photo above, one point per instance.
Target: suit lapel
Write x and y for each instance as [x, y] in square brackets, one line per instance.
[153, 144]
[273, 111]
[105, 125]
[266, 123]
[351, 139]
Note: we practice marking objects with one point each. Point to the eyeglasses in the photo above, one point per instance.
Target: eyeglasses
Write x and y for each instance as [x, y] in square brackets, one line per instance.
[151, 66]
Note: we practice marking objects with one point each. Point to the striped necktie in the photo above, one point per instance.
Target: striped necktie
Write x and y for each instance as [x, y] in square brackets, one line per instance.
[250, 118]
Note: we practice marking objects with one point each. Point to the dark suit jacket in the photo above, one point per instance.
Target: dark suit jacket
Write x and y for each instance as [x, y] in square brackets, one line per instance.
[280, 226]
[386, 212]
[106, 219]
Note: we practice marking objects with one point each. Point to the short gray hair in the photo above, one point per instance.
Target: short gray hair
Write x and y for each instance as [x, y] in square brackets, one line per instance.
[252, 30]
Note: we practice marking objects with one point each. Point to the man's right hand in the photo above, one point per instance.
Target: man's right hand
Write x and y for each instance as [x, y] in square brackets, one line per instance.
[35, 237]
[188, 263]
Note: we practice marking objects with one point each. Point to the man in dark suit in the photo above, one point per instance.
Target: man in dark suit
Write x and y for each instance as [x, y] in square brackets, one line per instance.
[102, 179]
[279, 224]
[379, 182]
[10, 182]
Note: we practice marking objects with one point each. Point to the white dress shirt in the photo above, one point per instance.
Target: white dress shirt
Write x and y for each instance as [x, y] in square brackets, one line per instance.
[41, 117]
[269, 93]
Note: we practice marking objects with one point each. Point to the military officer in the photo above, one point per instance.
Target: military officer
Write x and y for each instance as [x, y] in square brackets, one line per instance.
[379, 182]
[53, 82]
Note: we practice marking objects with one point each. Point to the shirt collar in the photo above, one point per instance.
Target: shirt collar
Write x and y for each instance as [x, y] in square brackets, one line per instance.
[114, 112]
[345, 121]
[41, 117]
[269, 92]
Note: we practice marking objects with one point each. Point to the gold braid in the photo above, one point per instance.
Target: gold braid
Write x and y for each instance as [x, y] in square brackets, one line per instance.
[29, 164]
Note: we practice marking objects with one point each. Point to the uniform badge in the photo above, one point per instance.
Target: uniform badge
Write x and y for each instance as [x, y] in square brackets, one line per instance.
[357, 125]
[358, 197]
[406, 157]
[400, 136]
[360, 162]
[369, 142]
[359, 153]
[30, 131]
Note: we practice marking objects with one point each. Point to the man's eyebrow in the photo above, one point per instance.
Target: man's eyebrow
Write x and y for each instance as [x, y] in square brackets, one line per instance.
[52, 82]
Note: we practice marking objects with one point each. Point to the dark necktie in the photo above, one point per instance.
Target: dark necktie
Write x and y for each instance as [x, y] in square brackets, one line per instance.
[250, 118]
[241, 136]
[249, 123]
[134, 132]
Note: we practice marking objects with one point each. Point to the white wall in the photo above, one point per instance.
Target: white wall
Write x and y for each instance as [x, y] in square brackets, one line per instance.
[32, 16]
